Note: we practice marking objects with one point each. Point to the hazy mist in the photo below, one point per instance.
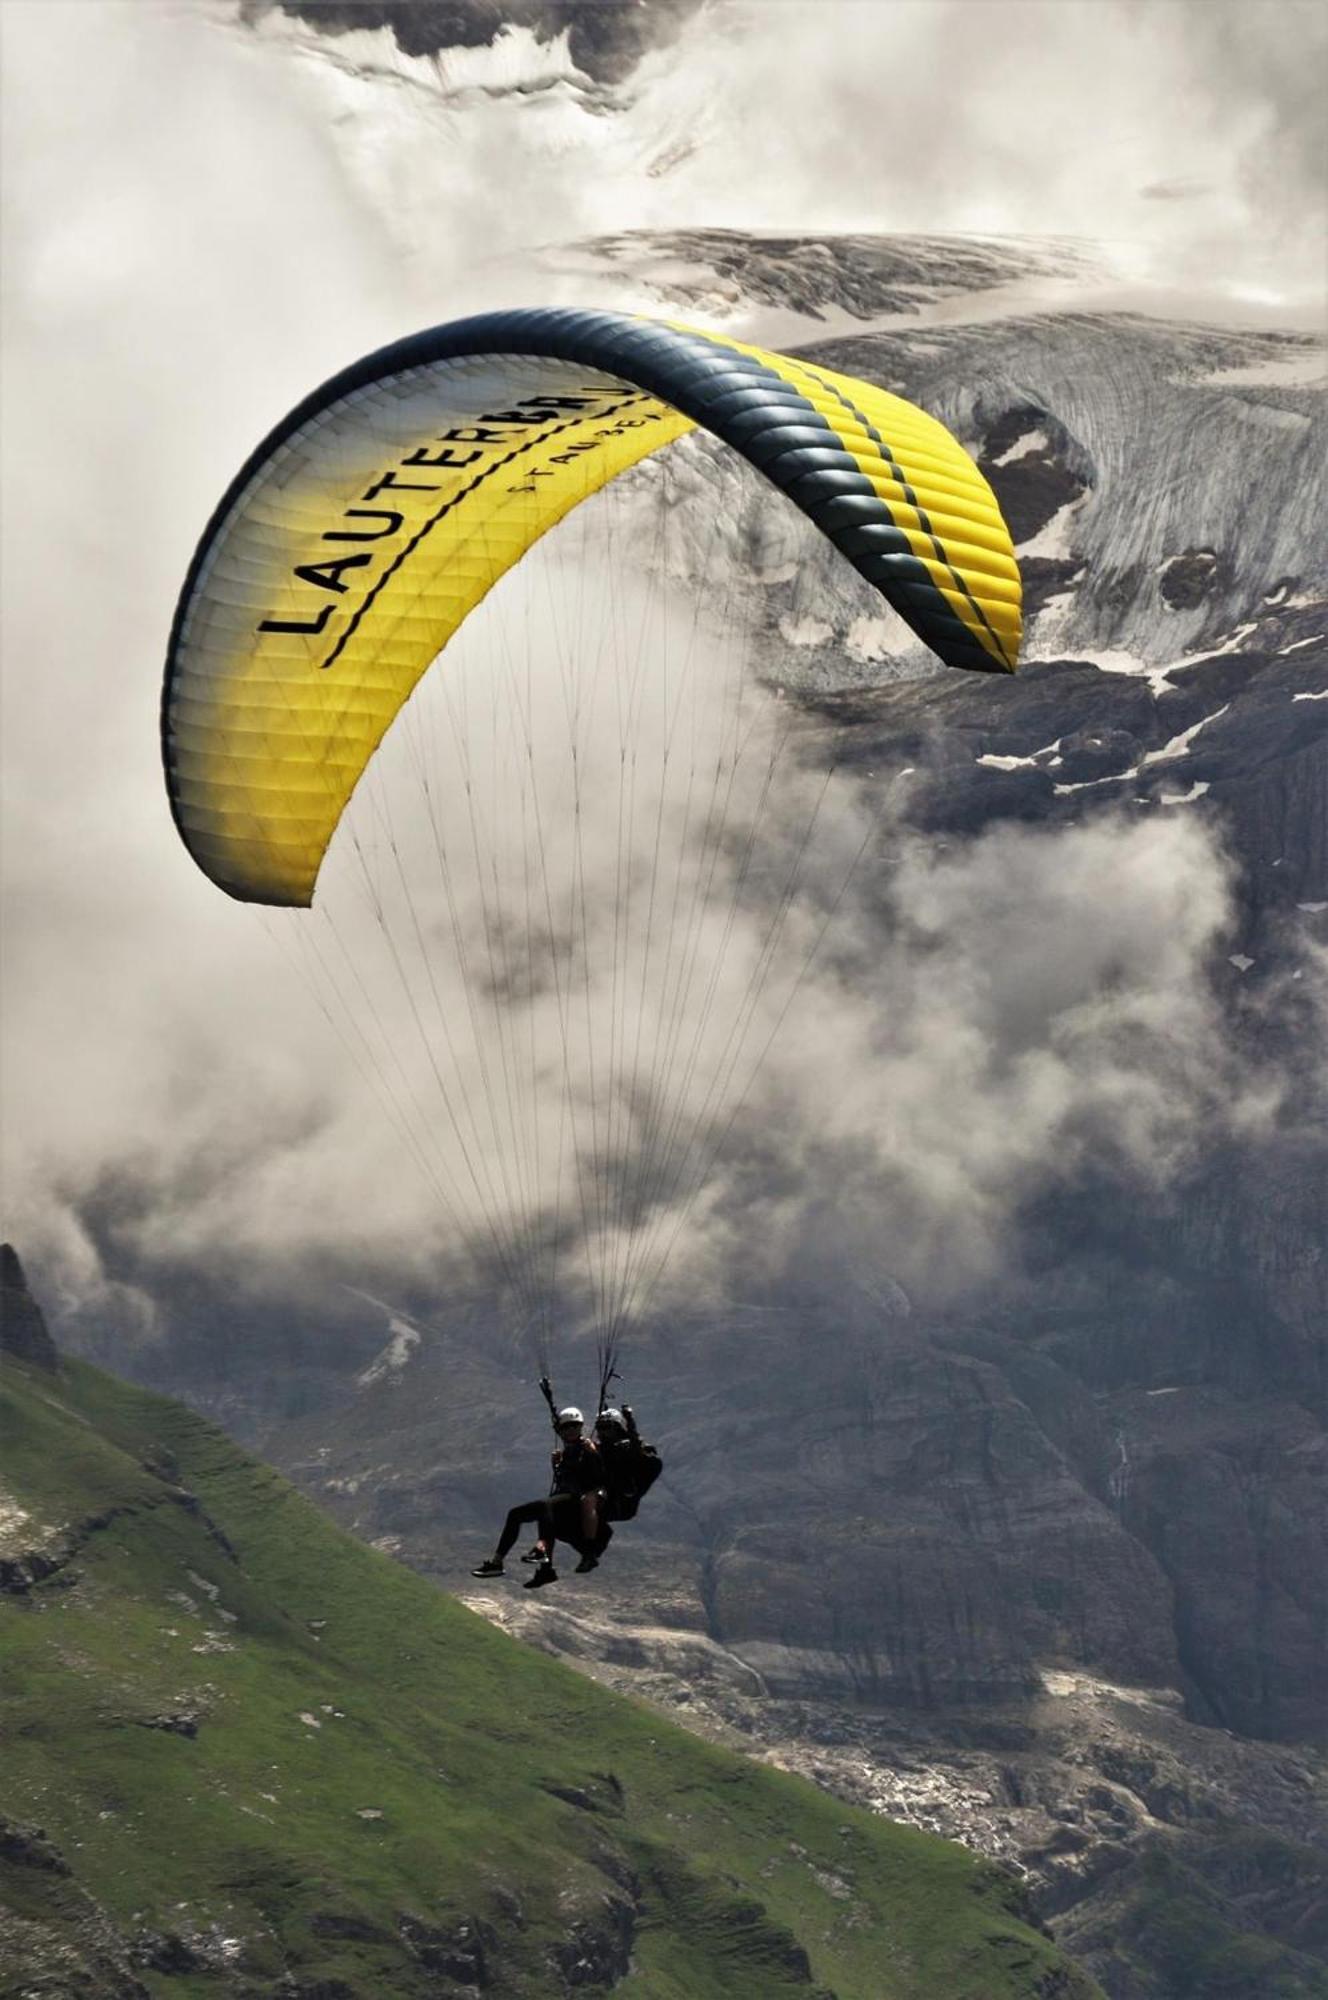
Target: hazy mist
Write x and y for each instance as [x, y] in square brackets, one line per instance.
[201, 221]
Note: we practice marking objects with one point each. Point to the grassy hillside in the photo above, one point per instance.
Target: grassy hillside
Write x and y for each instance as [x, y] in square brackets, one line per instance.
[246, 1755]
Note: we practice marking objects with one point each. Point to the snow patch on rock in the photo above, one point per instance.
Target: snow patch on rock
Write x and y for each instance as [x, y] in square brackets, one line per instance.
[1031, 441]
[404, 1340]
[1052, 540]
[805, 631]
[1303, 367]
[869, 640]
[1113, 661]
[994, 762]
[1179, 745]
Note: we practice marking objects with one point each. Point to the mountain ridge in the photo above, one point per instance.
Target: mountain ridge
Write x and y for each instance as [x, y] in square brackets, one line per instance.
[1102, 1468]
[249, 1756]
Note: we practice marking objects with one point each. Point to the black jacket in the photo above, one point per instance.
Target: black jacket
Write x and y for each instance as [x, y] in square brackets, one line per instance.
[578, 1467]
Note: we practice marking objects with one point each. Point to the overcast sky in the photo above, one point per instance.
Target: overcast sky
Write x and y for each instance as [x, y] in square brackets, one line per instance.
[203, 218]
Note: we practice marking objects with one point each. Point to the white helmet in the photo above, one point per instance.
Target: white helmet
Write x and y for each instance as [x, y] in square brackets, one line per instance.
[571, 1415]
[610, 1419]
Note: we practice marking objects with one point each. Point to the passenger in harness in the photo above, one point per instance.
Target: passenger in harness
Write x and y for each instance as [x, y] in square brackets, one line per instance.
[570, 1513]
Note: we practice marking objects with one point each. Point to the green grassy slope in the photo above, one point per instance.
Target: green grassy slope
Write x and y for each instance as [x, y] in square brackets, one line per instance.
[266, 1760]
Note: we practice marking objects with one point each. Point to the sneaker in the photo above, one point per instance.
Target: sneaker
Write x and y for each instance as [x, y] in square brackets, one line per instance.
[490, 1568]
[586, 1564]
[546, 1573]
[535, 1554]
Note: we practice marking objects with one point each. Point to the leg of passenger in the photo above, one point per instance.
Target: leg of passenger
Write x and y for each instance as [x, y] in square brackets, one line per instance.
[512, 1526]
[552, 1523]
[548, 1528]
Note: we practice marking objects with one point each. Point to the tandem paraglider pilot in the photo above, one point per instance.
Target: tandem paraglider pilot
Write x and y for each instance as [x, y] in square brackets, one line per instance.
[596, 1481]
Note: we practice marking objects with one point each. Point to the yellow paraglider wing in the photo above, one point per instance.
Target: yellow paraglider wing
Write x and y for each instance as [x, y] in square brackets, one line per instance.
[361, 532]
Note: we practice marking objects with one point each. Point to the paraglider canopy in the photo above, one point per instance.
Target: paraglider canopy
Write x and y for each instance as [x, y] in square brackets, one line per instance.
[363, 530]
[564, 1041]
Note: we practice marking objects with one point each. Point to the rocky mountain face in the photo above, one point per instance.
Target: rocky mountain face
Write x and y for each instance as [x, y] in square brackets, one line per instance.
[1078, 1629]
[246, 1756]
[605, 41]
[1160, 1852]
[23, 1329]
[1044, 1567]
[1047, 1570]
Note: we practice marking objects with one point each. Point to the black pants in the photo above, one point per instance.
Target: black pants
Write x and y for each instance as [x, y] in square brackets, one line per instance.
[532, 1510]
[602, 1540]
[557, 1518]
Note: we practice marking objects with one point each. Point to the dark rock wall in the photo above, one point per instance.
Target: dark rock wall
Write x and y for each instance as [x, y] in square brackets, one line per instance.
[23, 1330]
[606, 38]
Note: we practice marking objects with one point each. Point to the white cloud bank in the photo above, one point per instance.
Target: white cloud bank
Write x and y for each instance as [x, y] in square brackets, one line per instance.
[1185, 139]
[190, 243]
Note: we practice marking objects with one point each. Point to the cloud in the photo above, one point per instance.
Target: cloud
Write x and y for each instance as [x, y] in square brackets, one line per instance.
[605, 40]
[1179, 190]
[1014, 117]
[182, 258]
[196, 231]
[1012, 1018]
